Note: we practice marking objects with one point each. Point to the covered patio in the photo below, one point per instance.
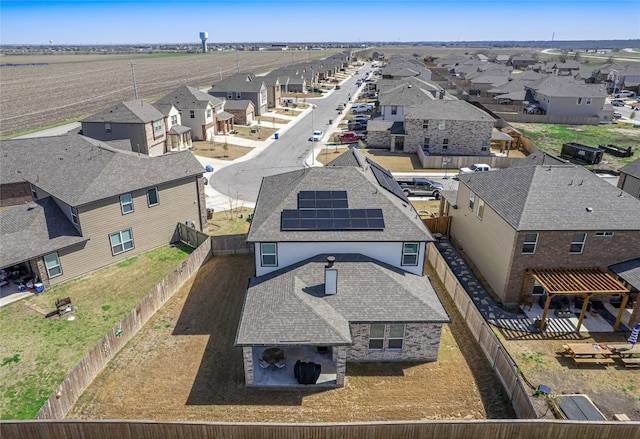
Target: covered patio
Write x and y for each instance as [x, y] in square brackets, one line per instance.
[585, 283]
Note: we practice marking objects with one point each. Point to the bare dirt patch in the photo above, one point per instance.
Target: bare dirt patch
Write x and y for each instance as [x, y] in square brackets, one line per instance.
[183, 366]
[218, 150]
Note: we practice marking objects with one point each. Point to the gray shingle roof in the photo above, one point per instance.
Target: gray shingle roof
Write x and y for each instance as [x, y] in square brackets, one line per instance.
[279, 192]
[241, 82]
[288, 306]
[34, 229]
[240, 104]
[79, 170]
[447, 110]
[555, 197]
[189, 98]
[127, 112]
[629, 271]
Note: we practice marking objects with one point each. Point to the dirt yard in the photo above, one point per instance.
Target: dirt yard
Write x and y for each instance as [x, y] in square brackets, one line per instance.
[183, 366]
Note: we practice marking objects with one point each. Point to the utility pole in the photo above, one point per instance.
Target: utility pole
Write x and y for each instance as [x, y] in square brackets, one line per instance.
[237, 61]
[135, 86]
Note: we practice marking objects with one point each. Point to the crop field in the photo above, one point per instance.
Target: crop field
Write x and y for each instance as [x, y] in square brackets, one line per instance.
[70, 87]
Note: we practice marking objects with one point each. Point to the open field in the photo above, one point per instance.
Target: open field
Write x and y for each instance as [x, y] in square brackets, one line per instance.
[182, 365]
[71, 87]
[36, 353]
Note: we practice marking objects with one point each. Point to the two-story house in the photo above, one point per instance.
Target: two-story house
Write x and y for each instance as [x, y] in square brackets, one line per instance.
[563, 96]
[339, 254]
[243, 86]
[202, 113]
[560, 217]
[139, 124]
[93, 205]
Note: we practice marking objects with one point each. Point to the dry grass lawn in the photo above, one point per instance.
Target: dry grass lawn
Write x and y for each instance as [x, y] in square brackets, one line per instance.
[183, 366]
[216, 150]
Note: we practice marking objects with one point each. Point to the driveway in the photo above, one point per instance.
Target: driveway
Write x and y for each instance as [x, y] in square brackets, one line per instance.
[291, 151]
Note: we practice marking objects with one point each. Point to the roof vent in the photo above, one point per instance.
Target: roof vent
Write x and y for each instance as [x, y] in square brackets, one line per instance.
[31, 206]
[589, 209]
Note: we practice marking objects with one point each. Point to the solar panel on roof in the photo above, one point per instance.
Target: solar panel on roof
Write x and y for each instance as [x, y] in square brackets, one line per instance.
[386, 180]
[332, 219]
[322, 200]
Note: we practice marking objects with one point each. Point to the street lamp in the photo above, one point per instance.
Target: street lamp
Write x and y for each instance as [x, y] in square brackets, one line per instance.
[446, 161]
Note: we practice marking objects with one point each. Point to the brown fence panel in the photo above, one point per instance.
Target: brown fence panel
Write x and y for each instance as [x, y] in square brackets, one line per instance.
[89, 367]
[438, 224]
[230, 244]
[190, 236]
[477, 429]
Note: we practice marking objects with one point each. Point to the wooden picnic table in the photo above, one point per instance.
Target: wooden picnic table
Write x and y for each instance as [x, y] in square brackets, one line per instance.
[589, 353]
[626, 352]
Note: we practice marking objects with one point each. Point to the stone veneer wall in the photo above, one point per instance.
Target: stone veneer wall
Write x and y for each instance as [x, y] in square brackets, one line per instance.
[465, 137]
[421, 342]
[247, 359]
[339, 357]
[378, 139]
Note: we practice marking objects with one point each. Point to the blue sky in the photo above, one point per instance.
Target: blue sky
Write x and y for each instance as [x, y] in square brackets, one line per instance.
[162, 21]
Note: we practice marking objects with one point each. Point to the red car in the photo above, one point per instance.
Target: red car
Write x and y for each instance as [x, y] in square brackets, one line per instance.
[350, 137]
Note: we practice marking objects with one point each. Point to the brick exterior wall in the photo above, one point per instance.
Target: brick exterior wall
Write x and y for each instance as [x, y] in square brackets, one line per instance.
[379, 139]
[421, 342]
[465, 137]
[552, 251]
[13, 194]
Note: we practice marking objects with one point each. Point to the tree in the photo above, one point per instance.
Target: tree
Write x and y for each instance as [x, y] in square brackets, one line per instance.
[225, 146]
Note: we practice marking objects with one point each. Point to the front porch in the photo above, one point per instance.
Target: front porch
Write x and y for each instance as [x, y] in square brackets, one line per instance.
[284, 377]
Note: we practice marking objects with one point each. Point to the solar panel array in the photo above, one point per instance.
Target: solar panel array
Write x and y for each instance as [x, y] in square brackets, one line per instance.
[322, 200]
[331, 219]
[386, 180]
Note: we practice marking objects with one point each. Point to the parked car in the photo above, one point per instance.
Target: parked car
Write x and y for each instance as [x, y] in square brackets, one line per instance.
[316, 136]
[362, 118]
[477, 167]
[356, 126]
[617, 102]
[350, 137]
[340, 107]
[624, 94]
[421, 187]
[617, 115]
[361, 108]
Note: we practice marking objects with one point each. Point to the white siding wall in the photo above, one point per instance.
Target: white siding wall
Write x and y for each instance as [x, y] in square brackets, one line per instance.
[291, 252]
[386, 113]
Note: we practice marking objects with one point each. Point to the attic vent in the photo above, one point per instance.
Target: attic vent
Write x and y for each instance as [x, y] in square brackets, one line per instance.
[589, 209]
[31, 206]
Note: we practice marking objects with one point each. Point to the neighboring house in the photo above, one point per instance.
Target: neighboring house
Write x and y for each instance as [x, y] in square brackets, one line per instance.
[243, 86]
[92, 205]
[178, 136]
[339, 274]
[274, 89]
[202, 113]
[629, 180]
[243, 111]
[521, 62]
[138, 123]
[562, 96]
[511, 221]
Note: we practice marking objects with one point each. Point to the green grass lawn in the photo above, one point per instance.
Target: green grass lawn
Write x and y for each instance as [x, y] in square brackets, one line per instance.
[550, 138]
[36, 353]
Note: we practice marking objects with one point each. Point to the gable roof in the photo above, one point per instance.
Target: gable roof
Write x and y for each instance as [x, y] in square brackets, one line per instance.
[188, 98]
[632, 168]
[288, 306]
[35, 229]
[135, 111]
[629, 271]
[555, 197]
[445, 109]
[356, 177]
[79, 170]
[242, 82]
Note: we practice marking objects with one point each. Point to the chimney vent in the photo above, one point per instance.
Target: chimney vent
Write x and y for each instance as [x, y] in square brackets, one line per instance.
[330, 277]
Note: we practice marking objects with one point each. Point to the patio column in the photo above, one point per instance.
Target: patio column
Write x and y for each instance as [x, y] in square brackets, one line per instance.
[587, 297]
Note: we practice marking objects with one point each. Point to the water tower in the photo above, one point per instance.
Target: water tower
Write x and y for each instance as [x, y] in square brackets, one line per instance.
[204, 36]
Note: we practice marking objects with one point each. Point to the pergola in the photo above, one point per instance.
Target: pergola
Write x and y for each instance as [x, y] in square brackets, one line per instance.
[585, 282]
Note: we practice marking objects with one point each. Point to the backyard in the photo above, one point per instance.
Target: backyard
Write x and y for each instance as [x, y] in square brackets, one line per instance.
[36, 353]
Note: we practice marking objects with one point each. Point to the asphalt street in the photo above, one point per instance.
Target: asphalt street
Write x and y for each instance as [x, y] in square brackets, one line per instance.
[291, 151]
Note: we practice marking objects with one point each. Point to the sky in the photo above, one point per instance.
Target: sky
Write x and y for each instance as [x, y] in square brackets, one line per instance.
[85, 22]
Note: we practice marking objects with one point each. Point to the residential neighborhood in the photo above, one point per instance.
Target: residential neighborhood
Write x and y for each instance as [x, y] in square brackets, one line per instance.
[536, 255]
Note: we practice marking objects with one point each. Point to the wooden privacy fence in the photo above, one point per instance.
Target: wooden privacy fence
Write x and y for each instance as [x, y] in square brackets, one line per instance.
[439, 224]
[87, 369]
[189, 235]
[482, 332]
[477, 429]
[459, 161]
[230, 244]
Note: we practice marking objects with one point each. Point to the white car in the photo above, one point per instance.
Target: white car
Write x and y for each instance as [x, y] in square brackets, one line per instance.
[624, 94]
[477, 167]
[316, 136]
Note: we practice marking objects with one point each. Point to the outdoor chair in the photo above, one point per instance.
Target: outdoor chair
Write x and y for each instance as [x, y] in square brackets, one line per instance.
[281, 364]
[264, 364]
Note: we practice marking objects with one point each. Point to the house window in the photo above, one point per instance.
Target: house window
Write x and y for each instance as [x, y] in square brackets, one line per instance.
[577, 243]
[604, 234]
[376, 337]
[472, 200]
[238, 95]
[34, 193]
[445, 143]
[530, 243]
[126, 203]
[442, 125]
[107, 128]
[426, 144]
[152, 196]
[425, 124]
[174, 119]
[394, 109]
[208, 113]
[52, 263]
[588, 101]
[480, 212]
[410, 252]
[121, 241]
[157, 129]
[192, 114]
[579, 102]
[269, 254]
[74, 215]
[485, 145]
[396, 336]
